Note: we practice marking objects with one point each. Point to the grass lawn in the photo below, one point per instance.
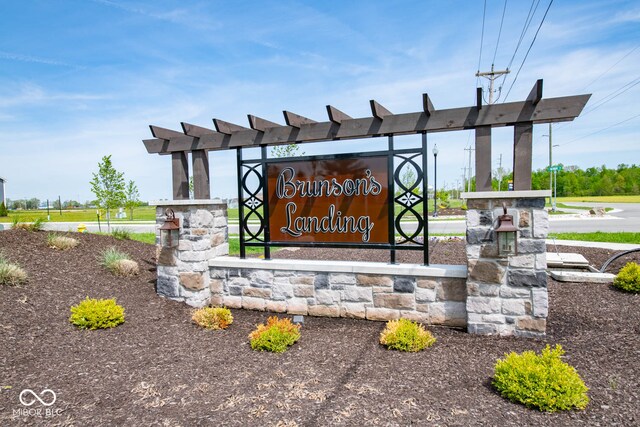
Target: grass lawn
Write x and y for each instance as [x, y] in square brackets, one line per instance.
[599, 236]
[143, 213]
[602, 199]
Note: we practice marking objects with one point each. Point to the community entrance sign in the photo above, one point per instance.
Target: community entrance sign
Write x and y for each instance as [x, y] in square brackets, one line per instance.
[373, 200]
[341, 201]
[330, 200]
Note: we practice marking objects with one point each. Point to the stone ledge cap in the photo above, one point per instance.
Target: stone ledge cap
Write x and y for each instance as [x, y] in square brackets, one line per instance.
[359, 267]
[520, 194]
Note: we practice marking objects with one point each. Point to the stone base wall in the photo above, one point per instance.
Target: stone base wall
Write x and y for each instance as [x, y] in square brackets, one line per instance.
[507, 295]
[183, 272]
[433, 300]
[491, 295]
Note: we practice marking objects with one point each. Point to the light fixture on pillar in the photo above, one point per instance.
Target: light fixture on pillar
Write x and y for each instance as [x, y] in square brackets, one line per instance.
[507, 235]
[170, 230]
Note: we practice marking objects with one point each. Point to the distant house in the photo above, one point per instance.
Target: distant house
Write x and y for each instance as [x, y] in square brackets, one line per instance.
[2, 197]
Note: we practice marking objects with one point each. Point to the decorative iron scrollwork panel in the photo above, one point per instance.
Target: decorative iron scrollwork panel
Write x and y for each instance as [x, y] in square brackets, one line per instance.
[252, 201]
[408, 176]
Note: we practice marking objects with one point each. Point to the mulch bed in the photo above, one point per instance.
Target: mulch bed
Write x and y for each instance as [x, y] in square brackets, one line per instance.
[160, 369]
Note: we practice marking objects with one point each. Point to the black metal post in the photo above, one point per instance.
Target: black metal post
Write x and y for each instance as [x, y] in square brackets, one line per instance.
[390, 199]
[435, 181]
[240, 203]
[425, 200]
[265, 203]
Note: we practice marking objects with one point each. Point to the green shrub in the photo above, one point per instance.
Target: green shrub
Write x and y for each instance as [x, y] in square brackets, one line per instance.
[56, 241]
[628, 279]
[119, 263]
[212, 317]
[543, 382]
[3, 209]
[405, 335]
[97, 314]
[121, 234]
[11, 274]
[276, 336]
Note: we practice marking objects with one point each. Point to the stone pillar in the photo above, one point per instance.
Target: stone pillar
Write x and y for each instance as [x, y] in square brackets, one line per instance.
[183, 272]
[507, 295]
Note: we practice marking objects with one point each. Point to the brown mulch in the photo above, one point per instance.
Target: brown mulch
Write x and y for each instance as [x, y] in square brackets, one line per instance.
[159, 369]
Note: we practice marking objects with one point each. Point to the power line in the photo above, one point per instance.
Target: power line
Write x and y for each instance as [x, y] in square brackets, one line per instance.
[504, 9]
[528, 50]
[525, 28]
[601, 130]
[610, 68]
[484, 14]
[613, 95]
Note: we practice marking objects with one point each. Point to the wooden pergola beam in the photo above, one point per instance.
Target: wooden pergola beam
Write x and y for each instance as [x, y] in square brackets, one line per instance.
[341, 127]
[536, 93]
[378, 111]
[296, 120]
[336, 116]
[194, 130]
[256, 123]
[226, 127]
[427, 105]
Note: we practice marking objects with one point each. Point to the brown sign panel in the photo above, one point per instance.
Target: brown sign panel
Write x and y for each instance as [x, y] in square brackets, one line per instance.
[340, 200]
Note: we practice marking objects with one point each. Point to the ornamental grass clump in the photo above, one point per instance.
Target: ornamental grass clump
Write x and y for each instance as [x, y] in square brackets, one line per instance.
[11, 274]
[56, 241]
[628, 279]
[119, 263]
[121, 234]
[36, 225]
[212, 317]
[542, 382]
[97, 314]
[276, 335]
[405, 335]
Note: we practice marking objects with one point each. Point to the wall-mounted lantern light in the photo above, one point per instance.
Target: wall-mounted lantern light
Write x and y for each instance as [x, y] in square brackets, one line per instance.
[170, 230]
[507, 235]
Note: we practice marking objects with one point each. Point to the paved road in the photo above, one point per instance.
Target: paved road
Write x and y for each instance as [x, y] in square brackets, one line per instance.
[625, 217]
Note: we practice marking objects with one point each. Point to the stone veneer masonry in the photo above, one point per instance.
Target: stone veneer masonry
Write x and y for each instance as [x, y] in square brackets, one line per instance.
[490, 295]
[507, 295]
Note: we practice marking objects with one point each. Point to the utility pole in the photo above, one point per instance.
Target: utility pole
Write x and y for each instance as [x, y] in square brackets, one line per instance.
[471, 150]
[500, 173]
[551, 163]
[464, 178]
[492, 76]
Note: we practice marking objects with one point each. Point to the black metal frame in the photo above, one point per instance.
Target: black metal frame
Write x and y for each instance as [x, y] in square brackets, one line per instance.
[408, 199]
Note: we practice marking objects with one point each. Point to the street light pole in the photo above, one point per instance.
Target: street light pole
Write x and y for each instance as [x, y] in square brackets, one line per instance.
[435, 180]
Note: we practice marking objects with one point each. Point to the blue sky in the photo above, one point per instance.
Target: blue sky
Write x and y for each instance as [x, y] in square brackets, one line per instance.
[80, 79]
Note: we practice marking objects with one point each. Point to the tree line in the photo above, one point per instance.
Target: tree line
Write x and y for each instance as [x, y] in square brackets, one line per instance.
[575, 182]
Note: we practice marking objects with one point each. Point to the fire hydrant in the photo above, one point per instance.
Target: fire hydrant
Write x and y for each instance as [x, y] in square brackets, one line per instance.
[82, 228]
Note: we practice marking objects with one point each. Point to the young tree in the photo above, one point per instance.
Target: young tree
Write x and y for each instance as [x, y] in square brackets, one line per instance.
[109, 188]
[290, 150]
[132, 197]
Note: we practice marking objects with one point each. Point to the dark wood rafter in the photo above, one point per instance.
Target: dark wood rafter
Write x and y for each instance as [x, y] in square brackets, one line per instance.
[298, 129]
[483, 158]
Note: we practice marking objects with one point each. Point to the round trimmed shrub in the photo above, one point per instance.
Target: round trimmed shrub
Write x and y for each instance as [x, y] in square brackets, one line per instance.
[276, 335]
[628, 279]
[405, 335]
[542, 382]
[212, 317]
[97, 314]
